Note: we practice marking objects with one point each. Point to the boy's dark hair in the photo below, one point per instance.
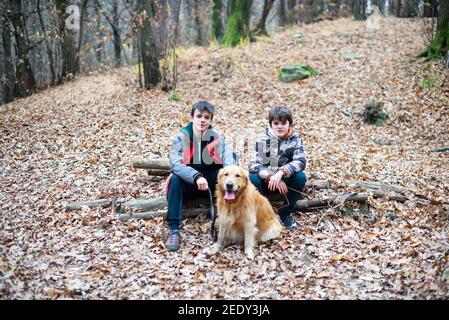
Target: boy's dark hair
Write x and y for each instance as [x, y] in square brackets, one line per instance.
[203, 106]
[280, 113]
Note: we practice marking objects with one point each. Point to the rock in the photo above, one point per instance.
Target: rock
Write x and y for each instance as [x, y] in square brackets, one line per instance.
[351, 55]
[296, 72]
[382, 142]
[298, 37]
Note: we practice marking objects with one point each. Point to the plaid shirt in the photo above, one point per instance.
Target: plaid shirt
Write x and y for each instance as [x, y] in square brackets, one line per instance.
[272, 154]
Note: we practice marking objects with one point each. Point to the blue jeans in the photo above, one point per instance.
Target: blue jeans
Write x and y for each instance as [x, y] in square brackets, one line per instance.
[178, 189]
[297, 182]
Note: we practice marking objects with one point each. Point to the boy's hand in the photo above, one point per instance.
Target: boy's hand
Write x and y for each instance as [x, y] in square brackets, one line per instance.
[275, 182]
[283, 189]
[202, 184]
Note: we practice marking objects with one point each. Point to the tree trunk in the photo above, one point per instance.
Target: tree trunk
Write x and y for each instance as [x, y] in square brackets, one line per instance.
[396, 10]
[202, 13]
[260, 28]
[440, 45]
[382, 6]
[114, 24]
[309, 11]
[151, 72]
[237, 28]
[217, 24]
[25, 81]
[80, 36]
[98, 46]
[48, 45]
[67, 42]
[408, 9]
[8, 69]
[282, 13]
[292, 12]
[430, 8]
[358, 9]
[116, 34]
[346, 8]
[138, 47]
[335, 7]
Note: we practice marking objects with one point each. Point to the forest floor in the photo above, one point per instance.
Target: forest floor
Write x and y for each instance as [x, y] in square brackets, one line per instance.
[76, 142]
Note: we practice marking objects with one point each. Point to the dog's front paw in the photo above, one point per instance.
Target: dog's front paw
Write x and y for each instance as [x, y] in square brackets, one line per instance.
[249, 254]
[212, 250]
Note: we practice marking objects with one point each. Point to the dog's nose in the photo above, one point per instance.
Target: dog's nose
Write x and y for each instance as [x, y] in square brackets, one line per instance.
[229, 186]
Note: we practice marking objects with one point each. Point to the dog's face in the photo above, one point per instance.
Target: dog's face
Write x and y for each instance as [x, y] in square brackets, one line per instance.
[232, 181]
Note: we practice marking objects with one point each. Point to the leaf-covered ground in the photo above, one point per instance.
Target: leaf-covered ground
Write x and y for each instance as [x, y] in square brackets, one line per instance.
[76, 142]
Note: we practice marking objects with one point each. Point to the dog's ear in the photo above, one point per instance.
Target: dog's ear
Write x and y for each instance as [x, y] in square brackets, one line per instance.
[220, 174]
[245, 174]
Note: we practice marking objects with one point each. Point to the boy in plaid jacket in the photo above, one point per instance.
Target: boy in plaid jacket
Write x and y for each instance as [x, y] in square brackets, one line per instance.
[278, 162]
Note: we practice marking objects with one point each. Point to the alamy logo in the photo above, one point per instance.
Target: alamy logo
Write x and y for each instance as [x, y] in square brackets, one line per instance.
[72, 22]
[373, 21]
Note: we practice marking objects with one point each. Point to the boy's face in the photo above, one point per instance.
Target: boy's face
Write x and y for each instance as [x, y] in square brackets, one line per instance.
[280, 128]
[201, 120]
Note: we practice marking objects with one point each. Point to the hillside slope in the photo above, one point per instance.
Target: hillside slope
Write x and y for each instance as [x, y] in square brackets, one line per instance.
[76, 142]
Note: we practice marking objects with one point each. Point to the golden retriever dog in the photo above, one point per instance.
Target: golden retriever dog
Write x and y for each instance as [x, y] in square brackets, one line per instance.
[244, 215]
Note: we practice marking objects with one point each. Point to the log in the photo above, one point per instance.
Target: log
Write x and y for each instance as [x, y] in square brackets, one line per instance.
[91, 204]
[442, 149]
[301, 205]
[378, 186]
[159, 204]
[144, 205]
[159, 167]
[158, 172]
[160, 164]
[188, 213]
[383, 194]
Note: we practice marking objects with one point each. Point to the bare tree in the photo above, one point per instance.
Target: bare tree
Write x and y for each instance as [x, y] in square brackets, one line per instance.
[67, 42]
[440, 44]
[260, 27]
[217, 24]
[47, 44]
[25, 81]
[359, 9]
[148, 51]
[430, 8]
[98, 46]
[80, 36]
[169, 61]
[114, 24]
[116, 32]
[238, 22]
[7, 79]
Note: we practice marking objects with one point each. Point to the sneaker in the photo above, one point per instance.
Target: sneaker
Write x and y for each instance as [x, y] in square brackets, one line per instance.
[287, 220]
[172, 243]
